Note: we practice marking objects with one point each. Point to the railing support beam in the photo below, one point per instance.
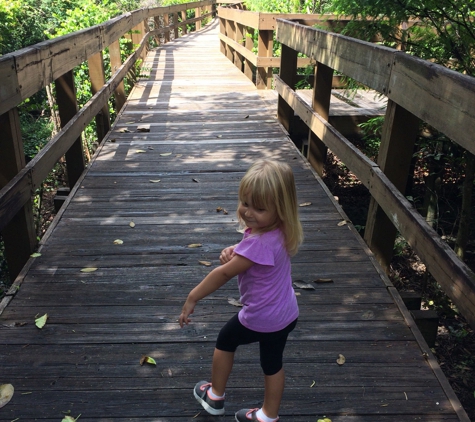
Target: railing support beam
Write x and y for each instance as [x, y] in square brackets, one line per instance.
[288, 73]
[399, 134]
[98, 80]
[19, 235]
[67, 106]
[322, 90]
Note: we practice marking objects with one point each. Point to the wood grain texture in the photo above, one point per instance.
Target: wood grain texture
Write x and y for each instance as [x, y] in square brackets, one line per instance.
[86, 359]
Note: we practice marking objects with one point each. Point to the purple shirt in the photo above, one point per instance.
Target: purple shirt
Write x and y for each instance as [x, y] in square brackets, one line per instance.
[267, 296]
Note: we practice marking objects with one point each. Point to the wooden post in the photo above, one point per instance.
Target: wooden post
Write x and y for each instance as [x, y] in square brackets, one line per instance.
[175, 23]
[166, 22]
[265, 45]
[230, 34]
[239, 38]
[400, 131]
[184, 29]
[322, 90]
[19, 235]
[98, 79]
[249, 43]
[222, 30]
[288, 73]
[197, 15]
[67, 107]
[116, 63]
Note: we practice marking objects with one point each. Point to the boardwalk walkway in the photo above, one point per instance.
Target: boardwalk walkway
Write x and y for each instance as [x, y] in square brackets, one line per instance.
[176, 154]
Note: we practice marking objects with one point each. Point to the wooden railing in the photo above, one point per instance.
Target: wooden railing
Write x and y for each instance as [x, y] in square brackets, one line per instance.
[417, 91]
[25, 72]
[237, 30]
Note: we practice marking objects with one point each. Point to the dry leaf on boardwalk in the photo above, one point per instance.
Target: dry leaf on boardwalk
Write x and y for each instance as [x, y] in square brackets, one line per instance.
[118, 242]
[341, 360]
[302, 285]
[195, 245]
[132, 224]
[41, 321]
[6, 394]
[165, 154]
[342, 223]
[305, 204]
[234, 302]
[323, 280]
[70, 419]
[154, 181]
[205, 263]
[139, 151]
[143, 128]
[88, 269]
[35, 255]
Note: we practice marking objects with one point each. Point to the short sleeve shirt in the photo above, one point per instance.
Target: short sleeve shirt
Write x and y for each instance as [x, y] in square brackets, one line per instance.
[267, 295]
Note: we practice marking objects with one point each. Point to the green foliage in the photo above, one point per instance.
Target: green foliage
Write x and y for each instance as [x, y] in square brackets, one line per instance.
[444, 31]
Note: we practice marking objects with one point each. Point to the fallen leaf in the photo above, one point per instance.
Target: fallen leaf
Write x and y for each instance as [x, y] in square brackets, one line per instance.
[165, 154]
[234, 302]
[219, 209]
[225, 212]
[88, 269]
[324, 420]
[124, 130]
[195, 245]
[219, 136]
[247, 117]
[323, 280]
[313, 383]
[154, 181]
[6, 394]
[342, 223]
[196, 180]
[305, 204]
[68, 419]
[35, 255]
[41, 321]
[149, 147]
[205, 263]
[112, 140]
[118, 242]
[385, 405]
[179, 155]
[302, 285]
[147, 359]
[341, 360]
[132, 224]
[143, 128]
[138, 151]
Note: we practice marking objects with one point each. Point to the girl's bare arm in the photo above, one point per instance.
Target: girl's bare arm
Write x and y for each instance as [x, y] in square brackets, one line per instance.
[212, 282]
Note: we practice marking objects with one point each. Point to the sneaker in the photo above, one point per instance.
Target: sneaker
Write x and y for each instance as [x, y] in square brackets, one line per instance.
[213, 407]
[245, 415]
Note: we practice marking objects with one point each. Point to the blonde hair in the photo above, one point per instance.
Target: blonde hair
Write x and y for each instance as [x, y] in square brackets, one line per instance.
[271, 184]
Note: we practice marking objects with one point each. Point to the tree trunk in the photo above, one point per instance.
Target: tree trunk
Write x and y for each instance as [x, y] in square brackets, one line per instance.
[463, 233]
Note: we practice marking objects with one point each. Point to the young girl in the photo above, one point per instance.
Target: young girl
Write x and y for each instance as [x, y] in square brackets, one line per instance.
[268, 211]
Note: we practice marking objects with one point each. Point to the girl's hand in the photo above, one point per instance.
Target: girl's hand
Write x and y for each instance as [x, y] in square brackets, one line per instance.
[226, 254]
[188, 309]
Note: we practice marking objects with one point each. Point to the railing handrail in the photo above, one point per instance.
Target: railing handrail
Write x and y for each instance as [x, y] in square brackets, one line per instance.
[416, 89]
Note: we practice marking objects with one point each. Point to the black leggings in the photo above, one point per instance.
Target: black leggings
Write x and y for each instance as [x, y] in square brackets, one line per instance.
[271, 345]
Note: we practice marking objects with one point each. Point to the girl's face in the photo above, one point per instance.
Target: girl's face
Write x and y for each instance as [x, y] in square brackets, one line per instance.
[256, 218]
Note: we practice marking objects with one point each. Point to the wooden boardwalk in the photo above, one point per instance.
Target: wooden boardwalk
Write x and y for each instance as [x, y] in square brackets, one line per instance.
[177, 152]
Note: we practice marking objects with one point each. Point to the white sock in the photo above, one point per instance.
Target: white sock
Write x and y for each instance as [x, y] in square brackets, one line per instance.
[214, 396]
[262, 416]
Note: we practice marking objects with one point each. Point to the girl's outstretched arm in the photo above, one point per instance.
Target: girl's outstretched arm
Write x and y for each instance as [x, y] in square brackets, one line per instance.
[212, 282]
